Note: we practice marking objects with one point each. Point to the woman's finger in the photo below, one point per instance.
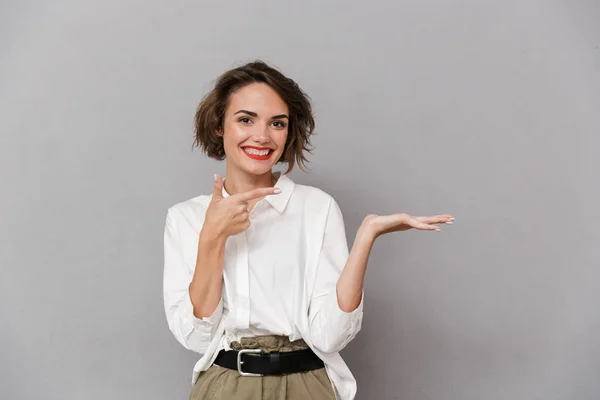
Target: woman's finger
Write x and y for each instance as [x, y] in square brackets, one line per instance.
[435, 219]
[243, 216]
[241, 208]
[256, 193]
[422, 225]
[425, 220]
[218, 188]
[241, 219]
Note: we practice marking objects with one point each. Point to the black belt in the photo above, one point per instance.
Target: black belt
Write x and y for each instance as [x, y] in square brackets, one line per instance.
[252, 362]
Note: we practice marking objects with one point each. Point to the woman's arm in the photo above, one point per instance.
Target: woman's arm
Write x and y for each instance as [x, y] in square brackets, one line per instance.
[336, 307]
[194, 299]
[194, 333]
[350, 284]
[206, 288]
[224, 217]
[331, 328]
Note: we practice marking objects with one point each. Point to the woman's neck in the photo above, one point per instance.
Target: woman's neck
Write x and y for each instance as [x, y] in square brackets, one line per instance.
[240, 182]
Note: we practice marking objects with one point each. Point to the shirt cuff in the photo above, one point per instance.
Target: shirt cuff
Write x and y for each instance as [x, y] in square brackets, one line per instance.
[212, 319]
[338, 313]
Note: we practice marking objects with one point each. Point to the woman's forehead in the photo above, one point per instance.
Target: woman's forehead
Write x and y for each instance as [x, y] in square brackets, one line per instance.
[258, 98]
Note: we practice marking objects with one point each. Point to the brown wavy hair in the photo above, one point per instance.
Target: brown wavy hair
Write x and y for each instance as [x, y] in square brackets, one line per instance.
[211, 111]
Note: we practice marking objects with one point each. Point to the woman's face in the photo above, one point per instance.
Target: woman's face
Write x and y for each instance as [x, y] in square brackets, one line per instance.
[255, 129]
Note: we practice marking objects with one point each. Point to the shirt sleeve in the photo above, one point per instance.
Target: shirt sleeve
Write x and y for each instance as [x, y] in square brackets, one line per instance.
[192, 332]
[331, 329]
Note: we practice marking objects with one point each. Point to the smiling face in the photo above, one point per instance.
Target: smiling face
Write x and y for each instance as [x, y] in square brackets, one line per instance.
[255, 129]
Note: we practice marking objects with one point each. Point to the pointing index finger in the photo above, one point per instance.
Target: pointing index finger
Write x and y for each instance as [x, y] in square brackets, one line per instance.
[256, 193]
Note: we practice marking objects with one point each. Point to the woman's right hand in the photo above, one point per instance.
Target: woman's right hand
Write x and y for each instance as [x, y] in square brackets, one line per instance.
[227, 216]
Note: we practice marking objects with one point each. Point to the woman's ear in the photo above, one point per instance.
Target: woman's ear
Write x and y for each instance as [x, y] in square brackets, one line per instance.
[219, 132]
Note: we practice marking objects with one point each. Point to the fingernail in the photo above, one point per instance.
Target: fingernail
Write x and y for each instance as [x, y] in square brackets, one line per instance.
[449, 223]
[277, 191]
[452, 218]
[215, 177]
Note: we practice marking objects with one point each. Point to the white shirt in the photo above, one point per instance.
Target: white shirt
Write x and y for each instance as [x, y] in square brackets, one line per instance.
[279, 277]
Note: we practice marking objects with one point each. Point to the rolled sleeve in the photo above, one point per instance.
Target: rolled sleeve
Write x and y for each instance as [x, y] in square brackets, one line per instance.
[193, 333]
[349, 319]
[331, 328]
[205, 322]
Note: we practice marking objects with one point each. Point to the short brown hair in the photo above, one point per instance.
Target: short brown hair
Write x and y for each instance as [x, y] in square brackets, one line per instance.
[211, 111]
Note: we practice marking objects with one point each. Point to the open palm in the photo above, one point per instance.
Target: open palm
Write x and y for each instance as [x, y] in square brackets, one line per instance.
[382, 224]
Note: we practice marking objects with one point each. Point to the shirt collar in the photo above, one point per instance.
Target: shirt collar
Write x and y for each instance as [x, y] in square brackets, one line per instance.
[277, 201]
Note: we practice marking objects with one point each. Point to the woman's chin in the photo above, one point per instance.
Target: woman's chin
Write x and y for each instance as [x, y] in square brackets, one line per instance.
[257, 170]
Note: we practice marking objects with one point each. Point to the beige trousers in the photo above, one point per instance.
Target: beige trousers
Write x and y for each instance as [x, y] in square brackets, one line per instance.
[218, 383]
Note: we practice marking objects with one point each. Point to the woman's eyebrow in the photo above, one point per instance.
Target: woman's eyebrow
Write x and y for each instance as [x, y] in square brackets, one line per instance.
[250, 113]
[253, 114]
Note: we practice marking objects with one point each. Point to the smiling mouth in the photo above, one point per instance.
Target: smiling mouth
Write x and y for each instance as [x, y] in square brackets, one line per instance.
[257, 154]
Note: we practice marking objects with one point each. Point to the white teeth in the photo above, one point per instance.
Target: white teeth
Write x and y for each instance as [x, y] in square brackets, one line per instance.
[256, 152]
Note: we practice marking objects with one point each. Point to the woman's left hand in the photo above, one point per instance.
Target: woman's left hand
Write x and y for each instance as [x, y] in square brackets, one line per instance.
[381, 224]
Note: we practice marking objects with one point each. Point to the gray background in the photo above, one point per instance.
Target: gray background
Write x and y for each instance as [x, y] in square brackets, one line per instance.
[487, 110]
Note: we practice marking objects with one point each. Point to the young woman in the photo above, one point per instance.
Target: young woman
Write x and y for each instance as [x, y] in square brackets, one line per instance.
[257, 276]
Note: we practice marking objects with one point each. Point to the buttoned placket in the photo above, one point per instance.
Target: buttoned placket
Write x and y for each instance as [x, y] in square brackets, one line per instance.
[243, 278]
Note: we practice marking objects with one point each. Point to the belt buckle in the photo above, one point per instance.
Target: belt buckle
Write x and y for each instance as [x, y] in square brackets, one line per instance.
[240, 362]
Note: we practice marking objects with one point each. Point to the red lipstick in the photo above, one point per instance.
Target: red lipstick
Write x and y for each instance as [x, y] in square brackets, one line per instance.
[256, 156]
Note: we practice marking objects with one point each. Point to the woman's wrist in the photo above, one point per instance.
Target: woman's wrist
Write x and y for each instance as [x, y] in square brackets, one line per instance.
[212, 237]
[367, 230]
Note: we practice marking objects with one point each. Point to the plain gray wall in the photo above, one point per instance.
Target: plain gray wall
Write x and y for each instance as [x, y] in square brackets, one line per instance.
[487, 110]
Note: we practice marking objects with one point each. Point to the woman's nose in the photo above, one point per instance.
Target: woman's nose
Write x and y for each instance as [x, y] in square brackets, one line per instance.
[262, 135]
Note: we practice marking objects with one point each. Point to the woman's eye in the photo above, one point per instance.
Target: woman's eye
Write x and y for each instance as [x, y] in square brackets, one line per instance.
[279, 124]
[244, 120]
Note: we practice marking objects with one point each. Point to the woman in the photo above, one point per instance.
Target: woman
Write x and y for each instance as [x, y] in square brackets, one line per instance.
[258, 278]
